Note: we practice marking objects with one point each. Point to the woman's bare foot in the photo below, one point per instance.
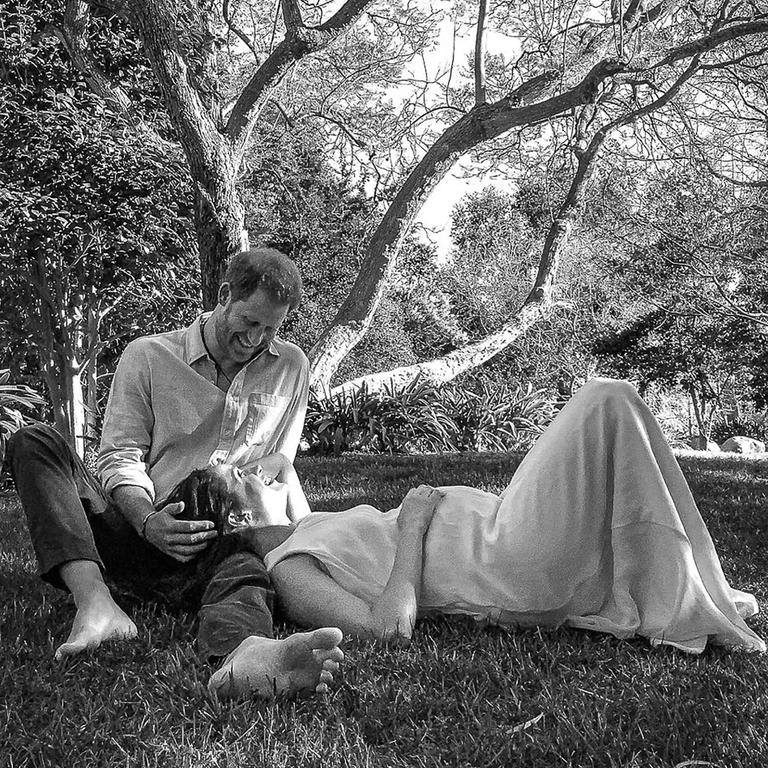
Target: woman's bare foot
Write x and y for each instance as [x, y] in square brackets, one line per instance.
[98, 619]
[302, 663]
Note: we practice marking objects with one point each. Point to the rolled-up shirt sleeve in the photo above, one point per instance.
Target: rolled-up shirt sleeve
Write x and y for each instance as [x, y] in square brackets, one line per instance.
[287, 442]
[128, 423]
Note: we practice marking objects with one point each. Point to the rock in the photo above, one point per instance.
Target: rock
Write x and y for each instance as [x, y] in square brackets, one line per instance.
[700, 443]
[741, 444]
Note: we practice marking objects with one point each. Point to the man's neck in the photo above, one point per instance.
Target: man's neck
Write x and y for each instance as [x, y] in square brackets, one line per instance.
[211, 343]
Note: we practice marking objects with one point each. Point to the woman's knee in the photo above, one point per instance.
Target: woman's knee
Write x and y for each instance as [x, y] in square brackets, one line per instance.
[609, 392]
[607, 387]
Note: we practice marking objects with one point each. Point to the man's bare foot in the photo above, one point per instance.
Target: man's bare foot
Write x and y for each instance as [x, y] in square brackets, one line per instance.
[302, 663]
[97, 620]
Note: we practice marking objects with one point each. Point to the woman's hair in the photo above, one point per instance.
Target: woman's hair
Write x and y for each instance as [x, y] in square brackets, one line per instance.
[205, 497]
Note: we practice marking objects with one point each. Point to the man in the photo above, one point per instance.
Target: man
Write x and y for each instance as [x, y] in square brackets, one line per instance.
[224, 389]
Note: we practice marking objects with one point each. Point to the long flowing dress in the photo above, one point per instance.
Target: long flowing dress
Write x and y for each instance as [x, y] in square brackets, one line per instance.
[597, 529]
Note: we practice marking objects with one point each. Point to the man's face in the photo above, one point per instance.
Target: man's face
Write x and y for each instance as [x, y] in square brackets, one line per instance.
[248, 325]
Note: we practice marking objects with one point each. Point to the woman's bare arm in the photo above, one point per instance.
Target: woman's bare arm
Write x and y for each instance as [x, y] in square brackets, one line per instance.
[312, 598]
[309, 597]
[397, 606]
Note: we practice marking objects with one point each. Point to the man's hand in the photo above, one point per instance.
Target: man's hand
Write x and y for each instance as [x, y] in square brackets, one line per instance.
[418, 507]
[181, 539]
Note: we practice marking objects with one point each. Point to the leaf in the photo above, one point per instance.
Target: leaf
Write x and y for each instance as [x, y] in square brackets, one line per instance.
[527, 724]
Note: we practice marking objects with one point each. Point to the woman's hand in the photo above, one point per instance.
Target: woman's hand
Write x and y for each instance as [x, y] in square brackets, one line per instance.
[418, 507]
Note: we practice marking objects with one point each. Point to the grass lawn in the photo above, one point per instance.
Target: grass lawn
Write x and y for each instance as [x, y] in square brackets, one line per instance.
[460, 695]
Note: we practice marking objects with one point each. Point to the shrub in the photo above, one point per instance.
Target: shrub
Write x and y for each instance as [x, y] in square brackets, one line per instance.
[460, 416]
[13, 398]
[490, 416]
[748, 423]
[386, 422]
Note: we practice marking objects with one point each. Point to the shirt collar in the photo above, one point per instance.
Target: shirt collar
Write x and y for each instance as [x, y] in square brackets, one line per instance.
[193, 341]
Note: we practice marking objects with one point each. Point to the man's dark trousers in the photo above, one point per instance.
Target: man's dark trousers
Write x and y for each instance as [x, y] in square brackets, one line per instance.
[70, 518]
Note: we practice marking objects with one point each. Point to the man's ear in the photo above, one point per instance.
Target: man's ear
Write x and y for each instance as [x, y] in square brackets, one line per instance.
[241, 519]
[225, 294]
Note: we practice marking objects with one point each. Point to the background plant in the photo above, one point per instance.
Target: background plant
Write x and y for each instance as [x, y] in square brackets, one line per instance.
[466, 415]
[14, 400]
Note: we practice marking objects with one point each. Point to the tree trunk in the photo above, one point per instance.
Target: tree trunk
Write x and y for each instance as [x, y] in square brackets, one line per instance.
[697, 410]
[74, 406]
[444, 369]
[66, 394]
[219, 237]
[90, 373]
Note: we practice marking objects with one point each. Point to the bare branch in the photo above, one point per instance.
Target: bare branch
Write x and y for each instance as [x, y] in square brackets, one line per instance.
[230, 22]
[299, 42]
[291, 15]
[480, 95]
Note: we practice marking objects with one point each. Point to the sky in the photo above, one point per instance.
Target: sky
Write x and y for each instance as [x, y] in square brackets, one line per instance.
[435, 213]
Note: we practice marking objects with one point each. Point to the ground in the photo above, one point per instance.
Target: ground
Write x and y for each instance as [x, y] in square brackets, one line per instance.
[461, 695]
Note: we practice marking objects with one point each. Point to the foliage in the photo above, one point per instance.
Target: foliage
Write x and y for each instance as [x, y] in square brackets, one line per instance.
[460, 694]
[14, 398]
[296, 203]
[487, 415]
[464, 415]
[747, 422]
[94, 247]
[491, 266]
[694, 277]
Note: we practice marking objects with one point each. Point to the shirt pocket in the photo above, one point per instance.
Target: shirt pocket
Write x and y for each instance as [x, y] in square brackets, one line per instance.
[264, 414]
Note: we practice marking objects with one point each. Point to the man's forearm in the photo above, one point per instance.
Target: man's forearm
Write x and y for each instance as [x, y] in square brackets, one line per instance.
[134, 504]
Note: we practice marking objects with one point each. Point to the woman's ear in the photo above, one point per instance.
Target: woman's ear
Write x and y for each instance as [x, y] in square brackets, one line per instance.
[240, 519]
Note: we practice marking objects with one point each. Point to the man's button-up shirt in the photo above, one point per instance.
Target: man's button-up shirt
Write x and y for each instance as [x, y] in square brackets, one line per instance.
[166, 416]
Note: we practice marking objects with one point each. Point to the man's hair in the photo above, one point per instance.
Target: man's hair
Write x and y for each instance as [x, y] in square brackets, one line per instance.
[265, 268]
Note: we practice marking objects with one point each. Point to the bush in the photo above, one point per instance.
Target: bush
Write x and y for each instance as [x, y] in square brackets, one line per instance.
[422, 417]
[13, 398]
[748, 423]
[386, 422]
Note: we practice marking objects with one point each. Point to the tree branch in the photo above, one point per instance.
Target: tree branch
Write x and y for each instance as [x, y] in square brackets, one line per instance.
[708, 43]
[299, 42]
[229, 21]
[291, 15]
[480, 94]
[73, 36]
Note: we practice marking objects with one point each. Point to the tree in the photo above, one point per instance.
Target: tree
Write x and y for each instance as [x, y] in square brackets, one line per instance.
[488, 271]
[694, 280]
[598, 69]
[91, 235]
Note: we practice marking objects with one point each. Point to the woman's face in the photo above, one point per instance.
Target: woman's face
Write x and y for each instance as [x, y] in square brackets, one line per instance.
[253, 492]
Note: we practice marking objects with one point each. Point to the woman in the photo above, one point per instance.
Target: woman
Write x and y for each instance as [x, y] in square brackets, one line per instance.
[597, 530]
